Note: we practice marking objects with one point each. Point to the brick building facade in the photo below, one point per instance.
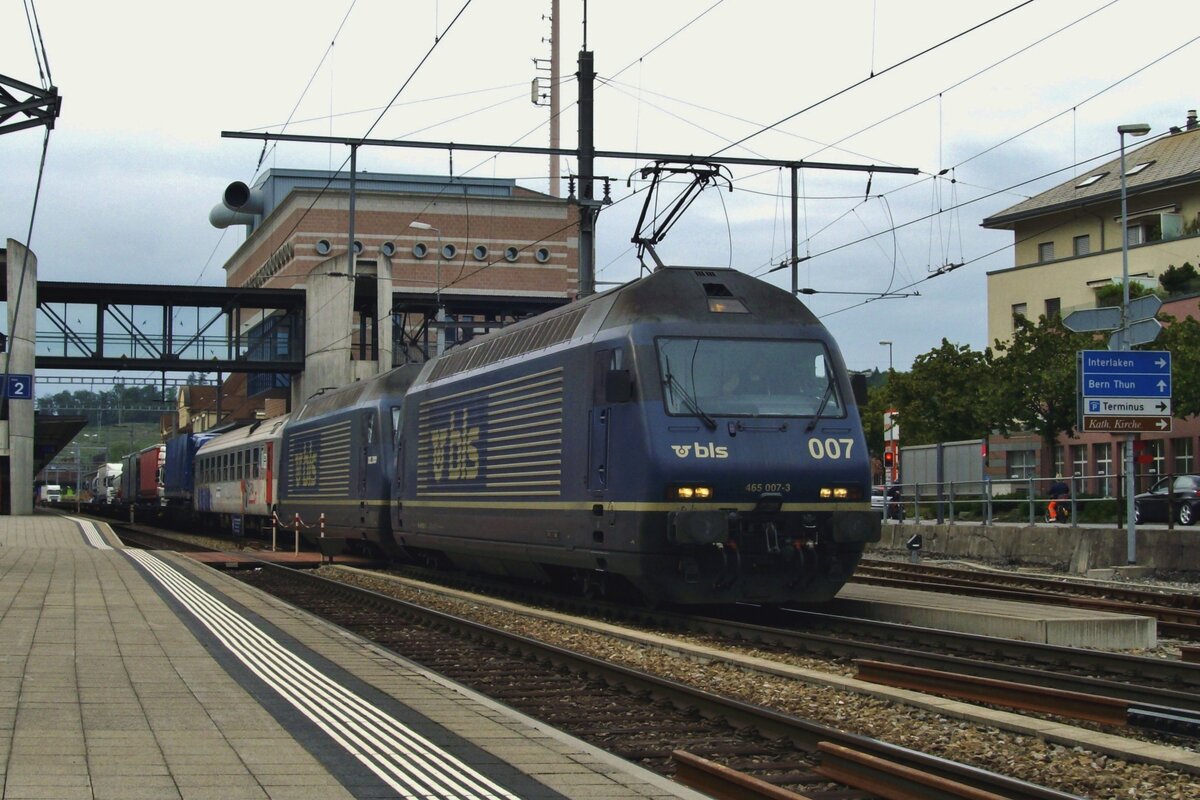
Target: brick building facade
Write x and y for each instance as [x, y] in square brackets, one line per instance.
[438, 260]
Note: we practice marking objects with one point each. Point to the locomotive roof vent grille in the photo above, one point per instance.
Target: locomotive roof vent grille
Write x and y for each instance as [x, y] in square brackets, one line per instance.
[705, 273]
[538, 336]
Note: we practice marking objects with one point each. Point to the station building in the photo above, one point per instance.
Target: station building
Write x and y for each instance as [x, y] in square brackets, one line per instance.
[437, 260]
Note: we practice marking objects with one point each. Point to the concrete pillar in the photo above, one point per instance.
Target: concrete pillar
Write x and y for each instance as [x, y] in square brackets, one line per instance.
[329, 306]
[22, 312]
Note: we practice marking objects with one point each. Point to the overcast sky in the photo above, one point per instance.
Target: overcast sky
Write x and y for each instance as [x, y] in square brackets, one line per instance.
[136, 160]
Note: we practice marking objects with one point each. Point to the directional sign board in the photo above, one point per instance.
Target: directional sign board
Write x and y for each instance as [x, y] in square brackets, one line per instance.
[1142, 332]
[1131, 373]
[1124, 391]
[1144, 307]
[1127, 406]
[1086, 320]
[1110, 424]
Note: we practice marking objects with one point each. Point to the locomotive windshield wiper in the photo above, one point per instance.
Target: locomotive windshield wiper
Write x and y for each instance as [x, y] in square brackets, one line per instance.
[812, 423]
[672, 382]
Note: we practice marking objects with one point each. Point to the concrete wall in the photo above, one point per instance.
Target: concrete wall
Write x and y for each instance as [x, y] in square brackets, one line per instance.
[327, 330]
[1075, 549]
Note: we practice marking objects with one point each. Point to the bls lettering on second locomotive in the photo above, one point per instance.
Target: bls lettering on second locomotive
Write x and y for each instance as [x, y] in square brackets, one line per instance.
[304, 467]
[455, 450]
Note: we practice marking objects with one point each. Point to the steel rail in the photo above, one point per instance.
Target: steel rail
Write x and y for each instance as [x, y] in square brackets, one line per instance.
[722, 783]
[767, 722]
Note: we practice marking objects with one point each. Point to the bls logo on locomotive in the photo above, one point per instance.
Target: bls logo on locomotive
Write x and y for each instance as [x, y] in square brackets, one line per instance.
[455, 450]
[701, 450]
[304, 467]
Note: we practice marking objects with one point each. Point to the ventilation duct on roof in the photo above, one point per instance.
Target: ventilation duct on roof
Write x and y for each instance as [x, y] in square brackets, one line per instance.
[239, 206]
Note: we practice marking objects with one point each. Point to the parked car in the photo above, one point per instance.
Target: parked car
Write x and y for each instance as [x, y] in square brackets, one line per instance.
[892, 508]
[878, 500]
[1152, 506]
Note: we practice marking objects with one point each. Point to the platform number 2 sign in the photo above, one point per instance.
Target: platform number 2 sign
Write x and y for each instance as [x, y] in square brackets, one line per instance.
[19, 387]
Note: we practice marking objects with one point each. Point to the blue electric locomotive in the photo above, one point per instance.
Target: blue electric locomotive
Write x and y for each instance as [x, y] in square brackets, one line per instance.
[338, 458]
[693, 434]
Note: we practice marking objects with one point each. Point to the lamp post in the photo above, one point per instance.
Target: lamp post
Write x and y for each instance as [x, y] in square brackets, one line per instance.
[889, 347]
[1133, 129]
[440, 313]
[79, 469]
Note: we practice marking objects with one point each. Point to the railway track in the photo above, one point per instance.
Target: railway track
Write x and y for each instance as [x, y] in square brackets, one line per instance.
[1163, 707]
[638, 716]
[1135, 680]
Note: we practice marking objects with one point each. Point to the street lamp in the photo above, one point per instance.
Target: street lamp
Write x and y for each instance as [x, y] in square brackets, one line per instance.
[79, 469]
[425, 226]
[440, 314]
[1133, 129]
[889, 347]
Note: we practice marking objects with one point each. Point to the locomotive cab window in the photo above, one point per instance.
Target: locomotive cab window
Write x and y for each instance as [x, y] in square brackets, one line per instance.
[747, 378]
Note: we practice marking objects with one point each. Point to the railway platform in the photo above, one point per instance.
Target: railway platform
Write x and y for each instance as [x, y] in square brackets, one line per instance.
[1059, 625]
[133, 674]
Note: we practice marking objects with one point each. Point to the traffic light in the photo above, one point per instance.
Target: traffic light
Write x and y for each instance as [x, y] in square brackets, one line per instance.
[889, 459]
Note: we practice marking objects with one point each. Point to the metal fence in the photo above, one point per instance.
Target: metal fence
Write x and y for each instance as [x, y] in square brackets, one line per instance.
[1015, 500]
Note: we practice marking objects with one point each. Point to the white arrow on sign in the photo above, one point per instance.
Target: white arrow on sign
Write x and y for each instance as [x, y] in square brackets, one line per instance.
[1162, 362]
[1162, 423]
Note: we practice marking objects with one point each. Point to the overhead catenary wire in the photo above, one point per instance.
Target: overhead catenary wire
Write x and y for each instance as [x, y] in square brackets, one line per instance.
[1074, 164]
[307, 86]
[39, 46]
[873, 76]
[333, 176]
[957, 205]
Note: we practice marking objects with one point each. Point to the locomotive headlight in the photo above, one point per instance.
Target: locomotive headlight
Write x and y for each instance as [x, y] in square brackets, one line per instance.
[841, 493]
[691, 493]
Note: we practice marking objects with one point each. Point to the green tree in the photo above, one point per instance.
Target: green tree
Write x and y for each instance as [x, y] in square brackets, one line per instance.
[1179, 280]
[1113, 294]
[943, 398]
[1033, 381]
[1182, 338]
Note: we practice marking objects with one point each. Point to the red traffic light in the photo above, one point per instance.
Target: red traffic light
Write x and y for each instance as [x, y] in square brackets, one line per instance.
[889, 459]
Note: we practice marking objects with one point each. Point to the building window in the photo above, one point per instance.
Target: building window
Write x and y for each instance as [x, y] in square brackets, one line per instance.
[1021, 463]
[1079, 466]
[1184, 459]
[1019, 311]
[1104, 467]
[1082, 245]
[1060, 467]
[1136, 168]
[1158, 459]
[1053, 307]
[1089, 180]
[1135, 234]
[1046, 251]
